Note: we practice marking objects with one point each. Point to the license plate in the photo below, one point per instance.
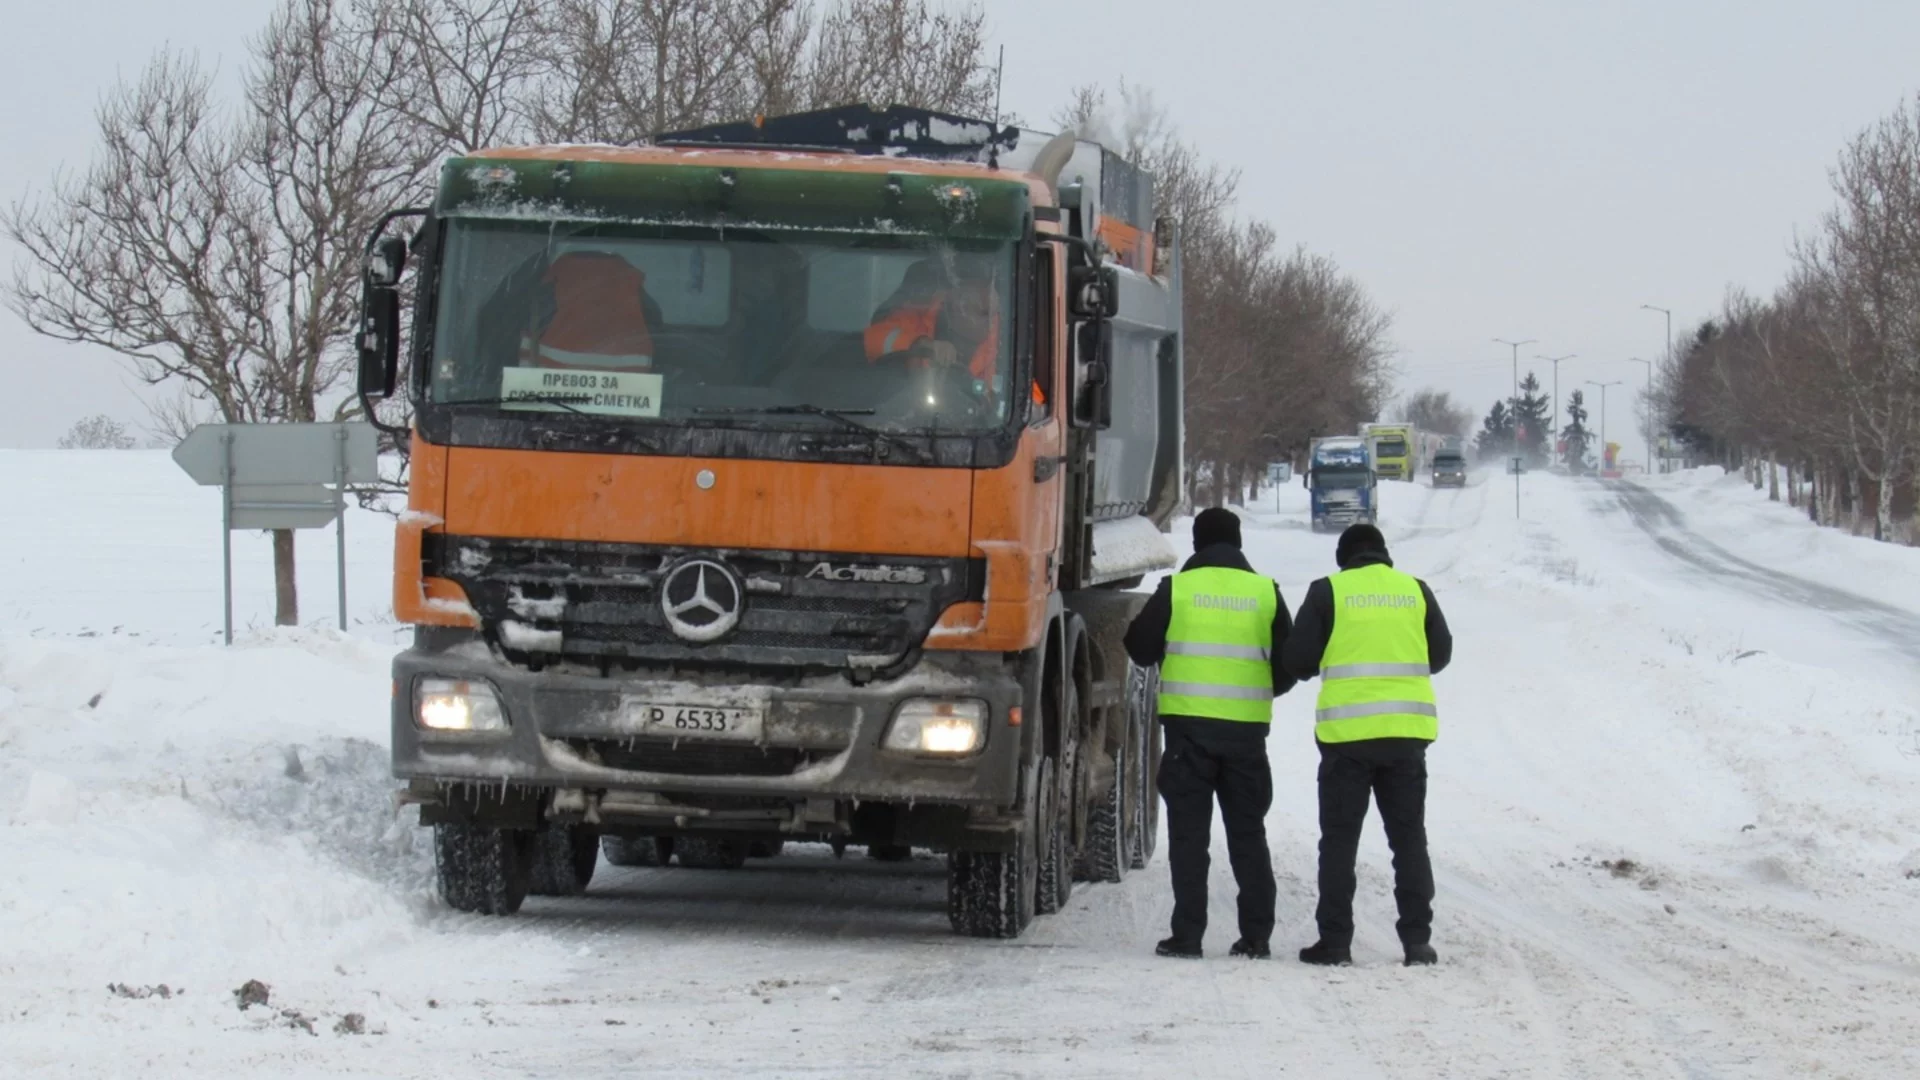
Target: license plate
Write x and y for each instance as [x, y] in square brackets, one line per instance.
[696, 721]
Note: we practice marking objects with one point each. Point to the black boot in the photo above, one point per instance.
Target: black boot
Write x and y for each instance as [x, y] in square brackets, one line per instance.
[1421, 956]
[1322, 954]
[1252, 950]
[1179, 950]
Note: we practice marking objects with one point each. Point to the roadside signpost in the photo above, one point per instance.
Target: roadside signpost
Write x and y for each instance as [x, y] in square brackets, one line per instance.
[276, 476]
[1516, 466]
[1278, 473]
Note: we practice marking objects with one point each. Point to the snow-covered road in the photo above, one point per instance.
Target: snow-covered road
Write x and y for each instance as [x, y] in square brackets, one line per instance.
[1675, 815]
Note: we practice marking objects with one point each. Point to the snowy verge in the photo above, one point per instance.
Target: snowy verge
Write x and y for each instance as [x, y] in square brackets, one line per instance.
[1742, 519]
[165, 812]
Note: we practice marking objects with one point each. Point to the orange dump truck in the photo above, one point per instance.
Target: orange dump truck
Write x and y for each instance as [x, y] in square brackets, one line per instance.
[781, 481]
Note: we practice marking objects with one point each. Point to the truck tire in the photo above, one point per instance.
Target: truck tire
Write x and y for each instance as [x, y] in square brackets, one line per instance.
[766, 849]
[1108, 855]
[1055, 886]
[1145, 835]
[564, 857]
[637, 850]
[707, 853]
[483, 870]
[991, 894]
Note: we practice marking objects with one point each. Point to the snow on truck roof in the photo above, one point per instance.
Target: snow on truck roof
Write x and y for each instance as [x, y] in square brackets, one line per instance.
[863, 139]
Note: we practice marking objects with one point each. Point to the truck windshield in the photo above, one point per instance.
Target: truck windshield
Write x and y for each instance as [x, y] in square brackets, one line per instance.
[1335, 479]
[1449, 461]
[644, 324]
[1395, 447]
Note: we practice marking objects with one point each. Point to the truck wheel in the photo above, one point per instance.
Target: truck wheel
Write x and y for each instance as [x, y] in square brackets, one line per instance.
[990, 894]
[706, 853]
[766, 849]
[1056, 871]
[1107, 856]
[483, 870]
[1146, 837]
[564, 857]
[637, 850]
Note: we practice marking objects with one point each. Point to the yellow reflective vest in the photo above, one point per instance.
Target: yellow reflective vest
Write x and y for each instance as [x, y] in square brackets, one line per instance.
[1219, 662]
[1374, 678]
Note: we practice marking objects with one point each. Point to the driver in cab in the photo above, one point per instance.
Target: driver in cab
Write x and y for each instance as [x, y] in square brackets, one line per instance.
[939, 325]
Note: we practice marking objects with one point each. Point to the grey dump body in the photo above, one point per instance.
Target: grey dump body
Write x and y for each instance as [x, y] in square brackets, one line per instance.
[1136, 465]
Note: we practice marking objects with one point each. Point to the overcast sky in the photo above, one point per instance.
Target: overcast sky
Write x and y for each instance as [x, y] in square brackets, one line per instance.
[1487, 169]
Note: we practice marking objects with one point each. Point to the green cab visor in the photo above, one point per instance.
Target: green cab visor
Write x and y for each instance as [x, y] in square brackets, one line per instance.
[695, 195]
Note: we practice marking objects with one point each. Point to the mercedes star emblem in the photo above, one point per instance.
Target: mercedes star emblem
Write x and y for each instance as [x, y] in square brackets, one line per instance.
[701, 600]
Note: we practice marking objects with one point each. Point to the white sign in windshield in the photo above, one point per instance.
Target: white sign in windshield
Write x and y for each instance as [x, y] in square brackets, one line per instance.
[609, 393]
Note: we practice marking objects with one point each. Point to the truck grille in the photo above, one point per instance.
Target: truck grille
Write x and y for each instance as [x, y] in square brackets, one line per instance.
[692, 759]
[602, 603]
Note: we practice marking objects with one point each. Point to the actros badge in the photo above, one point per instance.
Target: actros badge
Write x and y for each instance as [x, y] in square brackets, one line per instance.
[701, 599]
[885, 575]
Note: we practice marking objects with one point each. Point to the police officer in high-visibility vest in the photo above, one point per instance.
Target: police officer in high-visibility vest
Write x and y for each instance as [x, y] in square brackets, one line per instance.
[1216, 628]
[1374, 636]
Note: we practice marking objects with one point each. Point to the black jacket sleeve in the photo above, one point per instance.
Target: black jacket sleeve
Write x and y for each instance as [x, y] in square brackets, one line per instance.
[1146, 639]
[1283, 681]
[1311, 630]
[1439, 638]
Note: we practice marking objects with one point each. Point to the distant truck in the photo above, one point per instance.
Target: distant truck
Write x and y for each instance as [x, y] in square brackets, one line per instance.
[1449, 468]
[1340, 479]
[1393, 449]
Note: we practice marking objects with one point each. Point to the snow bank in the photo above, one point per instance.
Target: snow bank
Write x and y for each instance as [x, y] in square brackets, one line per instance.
[1742, 519]
[166, 810]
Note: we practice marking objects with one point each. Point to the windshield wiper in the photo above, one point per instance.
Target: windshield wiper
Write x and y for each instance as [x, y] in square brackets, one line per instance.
[845, 417]
[537, 399]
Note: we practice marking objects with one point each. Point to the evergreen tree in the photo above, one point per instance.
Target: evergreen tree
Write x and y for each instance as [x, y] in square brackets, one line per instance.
[1576, 435]
[1533, 420]
[1495, 440]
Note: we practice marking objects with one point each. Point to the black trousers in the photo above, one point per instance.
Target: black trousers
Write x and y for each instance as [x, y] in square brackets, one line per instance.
[1392, 772]
[1203, 761]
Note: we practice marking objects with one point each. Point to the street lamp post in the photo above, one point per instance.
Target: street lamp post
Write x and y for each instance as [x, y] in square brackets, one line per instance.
[1667, 360]
[1649, 431]
[1554, 413]
[1603, 418]
[1513, 403]
[1515, 345]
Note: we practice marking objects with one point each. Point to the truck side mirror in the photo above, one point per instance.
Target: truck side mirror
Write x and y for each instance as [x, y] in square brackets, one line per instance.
[378, 341]
[1093, 292]
[1093, 385]
[385, 261]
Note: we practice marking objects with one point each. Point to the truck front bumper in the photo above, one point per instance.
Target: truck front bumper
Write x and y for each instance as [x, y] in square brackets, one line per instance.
[575, 733]
[1343, 514]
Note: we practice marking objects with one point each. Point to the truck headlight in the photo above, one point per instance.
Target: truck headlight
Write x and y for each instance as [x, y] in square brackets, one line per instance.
[457, 705]
[937, 728]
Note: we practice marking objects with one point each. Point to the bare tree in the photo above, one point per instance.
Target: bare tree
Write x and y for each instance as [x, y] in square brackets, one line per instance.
[216, 249]
[462, 71]
[1281, 346]
[144, 252]
[903, 52]
[99, 432]
[1434, 410]
[1824, 377]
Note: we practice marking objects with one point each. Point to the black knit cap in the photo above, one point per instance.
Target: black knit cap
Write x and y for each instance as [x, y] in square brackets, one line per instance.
[1216, 526]
[1361, 539]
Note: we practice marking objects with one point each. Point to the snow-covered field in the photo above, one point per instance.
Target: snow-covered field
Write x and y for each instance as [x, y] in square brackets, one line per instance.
[1675, 815]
